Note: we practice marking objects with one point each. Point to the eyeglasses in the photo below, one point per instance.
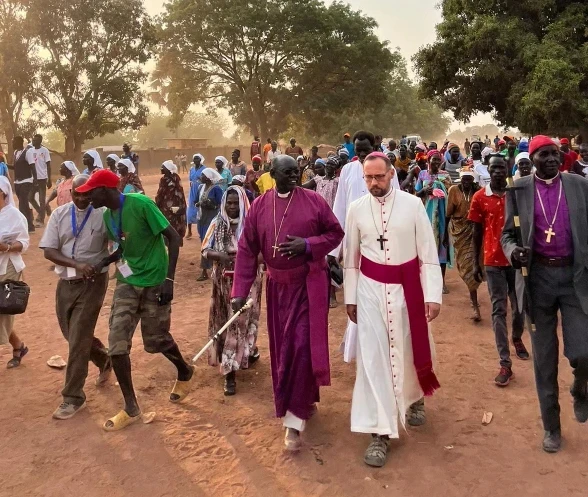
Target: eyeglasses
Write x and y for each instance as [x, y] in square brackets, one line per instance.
[378, 177]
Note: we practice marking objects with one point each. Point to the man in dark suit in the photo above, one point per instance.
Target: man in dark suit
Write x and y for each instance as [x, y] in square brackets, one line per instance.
[553, 211]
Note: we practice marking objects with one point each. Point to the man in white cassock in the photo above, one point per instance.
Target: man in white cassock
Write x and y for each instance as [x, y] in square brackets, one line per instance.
[351, 187]
[393, 288]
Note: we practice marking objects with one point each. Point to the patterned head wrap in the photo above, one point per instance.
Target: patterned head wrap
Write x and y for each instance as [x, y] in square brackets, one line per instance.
[223, 222]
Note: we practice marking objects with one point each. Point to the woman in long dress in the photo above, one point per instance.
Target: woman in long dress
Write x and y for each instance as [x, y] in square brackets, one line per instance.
[462, 232]
[236, 348]
[14, 226]
[195, 174]
[208, 200]
[129, 179]
[432, 186]
[170, 197]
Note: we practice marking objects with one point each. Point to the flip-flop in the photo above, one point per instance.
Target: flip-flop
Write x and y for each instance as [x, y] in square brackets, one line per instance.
[202, 278]
[121, 421]
[182, 388]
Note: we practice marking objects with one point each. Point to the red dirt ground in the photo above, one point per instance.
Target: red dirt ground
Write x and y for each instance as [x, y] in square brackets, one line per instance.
[212, 445]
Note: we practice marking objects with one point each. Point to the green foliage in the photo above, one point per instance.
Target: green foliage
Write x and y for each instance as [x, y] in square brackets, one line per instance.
[400, 111]
[525, 61]
[92, 65]
[17, 68]
[271, 61]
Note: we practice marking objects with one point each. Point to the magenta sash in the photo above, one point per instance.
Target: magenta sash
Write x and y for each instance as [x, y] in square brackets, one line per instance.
[409, 276]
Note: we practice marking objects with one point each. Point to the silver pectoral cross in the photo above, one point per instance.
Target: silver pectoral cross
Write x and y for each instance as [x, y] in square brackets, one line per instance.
[549, 234]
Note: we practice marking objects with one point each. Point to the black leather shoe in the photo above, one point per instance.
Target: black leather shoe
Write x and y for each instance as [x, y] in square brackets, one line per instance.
[579, 392]
[552, 441]
[230, 384]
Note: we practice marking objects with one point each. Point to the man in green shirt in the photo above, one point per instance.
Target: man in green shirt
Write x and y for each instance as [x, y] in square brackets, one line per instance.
[144, 289]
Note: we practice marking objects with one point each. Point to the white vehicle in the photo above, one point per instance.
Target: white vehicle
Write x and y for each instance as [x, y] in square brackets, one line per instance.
[413, 138]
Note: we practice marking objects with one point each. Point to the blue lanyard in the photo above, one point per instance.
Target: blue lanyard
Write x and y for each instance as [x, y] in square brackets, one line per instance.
[117, 230]
[74, 226]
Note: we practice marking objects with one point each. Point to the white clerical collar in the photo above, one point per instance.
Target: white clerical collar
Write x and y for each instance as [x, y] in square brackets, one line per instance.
[548, 181]
[283, 195]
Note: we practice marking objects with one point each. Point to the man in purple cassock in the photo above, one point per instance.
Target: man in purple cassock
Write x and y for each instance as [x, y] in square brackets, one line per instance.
[294, 229]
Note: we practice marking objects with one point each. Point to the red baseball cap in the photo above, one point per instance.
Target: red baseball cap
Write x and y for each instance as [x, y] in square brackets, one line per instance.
[564, 141]
[100, 178]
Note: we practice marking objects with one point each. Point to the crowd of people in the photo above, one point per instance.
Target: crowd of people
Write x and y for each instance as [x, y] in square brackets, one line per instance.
[384, 221]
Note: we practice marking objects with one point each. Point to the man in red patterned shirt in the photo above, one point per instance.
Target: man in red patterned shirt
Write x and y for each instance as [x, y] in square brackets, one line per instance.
[487, 212]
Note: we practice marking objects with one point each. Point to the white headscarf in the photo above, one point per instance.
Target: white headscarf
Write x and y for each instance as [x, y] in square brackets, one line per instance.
[521, 155]
[7, 189]
[114, 157]
[170, 166]
[212, 175]
[240, 178]
[222, 159]
[96, 156]
[72, 167]
[201, 158]
[128, 163]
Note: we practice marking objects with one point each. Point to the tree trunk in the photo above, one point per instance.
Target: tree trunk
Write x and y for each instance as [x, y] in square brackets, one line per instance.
[73, 147]
[9, 134]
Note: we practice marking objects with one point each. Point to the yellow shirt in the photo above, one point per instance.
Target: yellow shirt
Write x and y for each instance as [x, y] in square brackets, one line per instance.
[265, 182]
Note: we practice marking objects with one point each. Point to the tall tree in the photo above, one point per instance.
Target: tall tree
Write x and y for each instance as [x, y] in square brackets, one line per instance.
[92, 66]
[524, 61]
[270, 61]
[399, 112]
[17, 68]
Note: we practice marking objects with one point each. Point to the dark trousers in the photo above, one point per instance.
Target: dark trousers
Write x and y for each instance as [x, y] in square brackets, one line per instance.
[552, 290]
[23, 191]
[41, 188]
[501, 286]
[77, 307]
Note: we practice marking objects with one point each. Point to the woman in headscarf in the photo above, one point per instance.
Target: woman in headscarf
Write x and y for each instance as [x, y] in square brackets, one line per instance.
[454, 161]
[236, 349]
[194, 175]
[523, 166]
[13, 226]
[462, 232]
[239, 180]
[92, 161]
[129, 179]
[220, 163]
[482, 177]
[432, 186]
[63, 186]
[170, 198]
[208, 200]
[112, 161]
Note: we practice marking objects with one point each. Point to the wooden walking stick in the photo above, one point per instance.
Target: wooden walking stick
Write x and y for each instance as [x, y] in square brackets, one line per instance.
[217, 335]
[517, 224]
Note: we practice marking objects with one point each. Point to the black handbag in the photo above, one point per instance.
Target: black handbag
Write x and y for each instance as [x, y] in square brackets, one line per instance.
[14, 297]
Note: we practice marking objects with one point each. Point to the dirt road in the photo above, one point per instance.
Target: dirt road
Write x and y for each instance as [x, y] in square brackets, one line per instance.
[213, 445]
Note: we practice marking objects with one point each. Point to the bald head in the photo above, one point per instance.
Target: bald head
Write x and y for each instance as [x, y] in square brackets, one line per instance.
[285, 172]
[80, 180]
[81, 200]
[282, 161]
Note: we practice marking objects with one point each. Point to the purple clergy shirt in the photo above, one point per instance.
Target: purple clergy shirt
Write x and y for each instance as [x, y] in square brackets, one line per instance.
[561, 244]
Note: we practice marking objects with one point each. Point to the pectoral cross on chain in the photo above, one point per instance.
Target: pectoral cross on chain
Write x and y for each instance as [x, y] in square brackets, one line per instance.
[549, 234]
[382, 240]
[275, 247]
